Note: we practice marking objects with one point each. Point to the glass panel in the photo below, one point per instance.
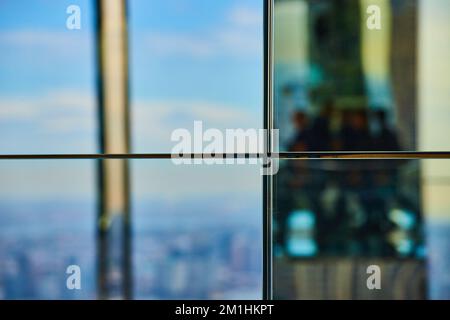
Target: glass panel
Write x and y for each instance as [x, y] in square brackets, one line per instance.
[362, 75]
[194, 60]
[47, 223]
[47, 78]
[197, 231]
[335, 218]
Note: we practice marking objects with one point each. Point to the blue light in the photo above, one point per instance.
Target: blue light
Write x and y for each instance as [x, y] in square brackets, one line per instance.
[301, 247]
[301, 220]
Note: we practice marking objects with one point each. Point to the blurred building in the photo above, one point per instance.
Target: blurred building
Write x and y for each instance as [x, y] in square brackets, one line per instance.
[343, 87]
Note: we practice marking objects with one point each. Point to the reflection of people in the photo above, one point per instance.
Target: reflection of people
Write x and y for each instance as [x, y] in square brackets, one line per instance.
[302, 133]
[355, 134]
[386, 139]
[352, 202]
[312, 135]
[320, 131]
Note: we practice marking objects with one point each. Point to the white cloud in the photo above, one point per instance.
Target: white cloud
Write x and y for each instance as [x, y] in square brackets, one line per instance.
[154, 121]
[239, 35]
[166, 181]
[63, 115]
[166, 44]
[15, 109]
[54, 43]
[246, 17]
[65, 112]
[62, 111]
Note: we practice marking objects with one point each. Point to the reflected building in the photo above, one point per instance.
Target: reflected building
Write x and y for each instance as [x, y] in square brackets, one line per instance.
[341, 86]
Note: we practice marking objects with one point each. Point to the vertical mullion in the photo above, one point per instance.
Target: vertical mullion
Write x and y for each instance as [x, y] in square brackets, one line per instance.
[268, 126]
[114, 270]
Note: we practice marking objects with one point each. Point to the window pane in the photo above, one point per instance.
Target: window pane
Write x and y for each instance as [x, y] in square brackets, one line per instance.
[47, 78]
[334, 218]
[194, 60]
[47, 223]
[362, 75]
[197, 231]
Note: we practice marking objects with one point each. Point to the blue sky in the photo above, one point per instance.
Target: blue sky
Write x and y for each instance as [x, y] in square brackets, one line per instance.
[189, 60]
[47, 97]
[203, 58]
[194, 60]
[38, 52]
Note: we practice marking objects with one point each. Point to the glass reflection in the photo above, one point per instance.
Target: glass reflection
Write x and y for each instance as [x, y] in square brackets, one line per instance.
[367, 208]
[47, 223]
[193, 60]
[47, 78]
[334, 218]
[197, 231]
[341, 85]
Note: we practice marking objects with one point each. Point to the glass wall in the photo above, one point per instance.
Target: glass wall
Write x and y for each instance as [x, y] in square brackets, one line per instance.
[47, 105]
[334, 218]
[349, 76]
[47, 79]
[197, 231]
[144, 229]
[194, 60]
[361, 76]
[47, 223]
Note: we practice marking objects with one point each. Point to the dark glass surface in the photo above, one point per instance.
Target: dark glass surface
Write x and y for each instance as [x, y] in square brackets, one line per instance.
[334, 218]
[345, 84]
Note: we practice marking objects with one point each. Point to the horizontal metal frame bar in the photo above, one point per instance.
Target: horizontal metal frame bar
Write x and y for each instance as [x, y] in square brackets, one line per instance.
[281, 155]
